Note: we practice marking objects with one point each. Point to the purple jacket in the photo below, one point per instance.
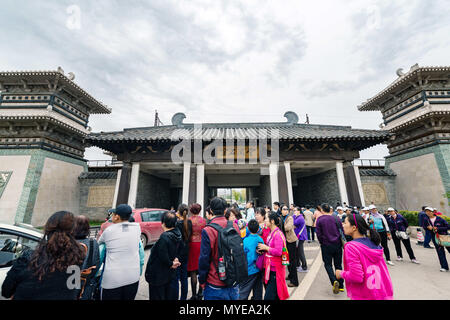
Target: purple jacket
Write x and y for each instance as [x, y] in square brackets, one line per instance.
[399, 224]
[327, 230]
[300, 225]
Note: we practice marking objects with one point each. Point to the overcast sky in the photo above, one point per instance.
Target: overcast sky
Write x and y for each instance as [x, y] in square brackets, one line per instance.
[227, 61]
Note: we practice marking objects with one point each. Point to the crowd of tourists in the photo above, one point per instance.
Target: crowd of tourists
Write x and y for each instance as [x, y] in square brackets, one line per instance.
[228, 253]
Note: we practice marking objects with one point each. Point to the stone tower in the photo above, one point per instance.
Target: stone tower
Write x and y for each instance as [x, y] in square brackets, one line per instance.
[416, 109]
[43, 122]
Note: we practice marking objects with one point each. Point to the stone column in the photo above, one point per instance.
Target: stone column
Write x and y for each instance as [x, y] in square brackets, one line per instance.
[116, 189]
[287, 166]
[134, 185]
[353, 192]
[273, 171]
[341, 182]
[124, 184]
[201, 184]
[186, 176]
[360, 189]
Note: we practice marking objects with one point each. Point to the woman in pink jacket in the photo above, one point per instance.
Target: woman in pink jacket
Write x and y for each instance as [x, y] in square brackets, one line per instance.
[365, 272]
[274, 272]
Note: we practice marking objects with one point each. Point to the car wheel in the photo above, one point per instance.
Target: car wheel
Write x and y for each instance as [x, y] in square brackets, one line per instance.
[144, 240]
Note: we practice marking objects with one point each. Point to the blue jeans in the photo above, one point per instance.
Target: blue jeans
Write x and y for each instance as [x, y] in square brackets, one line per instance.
[441, 254]
[428, 236]
[310, 232]
[182, 277]
[212, 293]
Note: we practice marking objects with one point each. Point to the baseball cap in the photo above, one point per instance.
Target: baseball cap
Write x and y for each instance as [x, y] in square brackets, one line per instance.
[365, 209]
[339, 208]
[372, 206]
[123, 210]
[390, 209]
[429, 208]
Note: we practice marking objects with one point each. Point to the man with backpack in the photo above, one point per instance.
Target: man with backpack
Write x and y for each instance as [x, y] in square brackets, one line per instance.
[223, 262]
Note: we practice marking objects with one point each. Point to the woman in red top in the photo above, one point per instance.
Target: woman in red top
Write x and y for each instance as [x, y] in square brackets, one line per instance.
[198, 223]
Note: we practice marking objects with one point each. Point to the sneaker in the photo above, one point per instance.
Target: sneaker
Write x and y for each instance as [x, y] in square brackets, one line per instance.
[290, 285]
[443, 270]
[341, 289]
[415, 261]
[303, 270]
[390, 263]
[399, 259]
[428, 247]
[336, 287]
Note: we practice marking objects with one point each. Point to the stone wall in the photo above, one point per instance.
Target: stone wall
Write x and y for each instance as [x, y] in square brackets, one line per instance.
[153, 192]
[379, 187]
[58, 190]
[317, 189]
[96, 194]
[14, 171]
[422, 178]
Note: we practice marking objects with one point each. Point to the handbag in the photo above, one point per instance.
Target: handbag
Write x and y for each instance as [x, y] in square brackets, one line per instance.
[260, 261]
[442, 239]
[401, 235]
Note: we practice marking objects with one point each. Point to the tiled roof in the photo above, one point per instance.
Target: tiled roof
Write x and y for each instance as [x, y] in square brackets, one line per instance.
[98, 175]
[37, 76]
[403, 80]
[210, 131]
[376, 172]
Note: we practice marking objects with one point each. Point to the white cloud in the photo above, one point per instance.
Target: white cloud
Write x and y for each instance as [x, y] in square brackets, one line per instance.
[225, 61]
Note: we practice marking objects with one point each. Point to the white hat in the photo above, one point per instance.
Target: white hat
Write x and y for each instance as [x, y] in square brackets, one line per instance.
[434, 209]
[365, 209]
[372, 206]
[390, 209]
[339, 208]
[429, 208]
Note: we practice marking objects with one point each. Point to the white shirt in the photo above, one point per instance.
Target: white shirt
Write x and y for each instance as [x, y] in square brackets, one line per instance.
[433, 220]
[122, 266]
[250, 214]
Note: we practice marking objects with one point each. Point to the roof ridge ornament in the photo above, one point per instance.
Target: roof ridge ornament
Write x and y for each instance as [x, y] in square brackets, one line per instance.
[292, 117]
[177, 119]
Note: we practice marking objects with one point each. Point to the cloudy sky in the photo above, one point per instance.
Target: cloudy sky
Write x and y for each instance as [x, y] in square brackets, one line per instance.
[227, 61]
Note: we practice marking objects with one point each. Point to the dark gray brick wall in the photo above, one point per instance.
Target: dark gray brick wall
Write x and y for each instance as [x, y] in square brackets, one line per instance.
[153, 192]
[317, 189]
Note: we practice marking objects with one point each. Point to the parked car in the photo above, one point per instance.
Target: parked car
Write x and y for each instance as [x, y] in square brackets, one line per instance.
[14, 240]
[148, 219]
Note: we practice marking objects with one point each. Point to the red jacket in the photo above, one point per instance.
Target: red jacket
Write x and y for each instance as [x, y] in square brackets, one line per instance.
[208, 260]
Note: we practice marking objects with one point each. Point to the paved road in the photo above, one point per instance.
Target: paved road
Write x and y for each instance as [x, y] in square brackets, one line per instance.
[410, 281]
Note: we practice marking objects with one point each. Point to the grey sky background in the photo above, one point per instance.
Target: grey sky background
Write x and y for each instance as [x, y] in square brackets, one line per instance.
[227, 61]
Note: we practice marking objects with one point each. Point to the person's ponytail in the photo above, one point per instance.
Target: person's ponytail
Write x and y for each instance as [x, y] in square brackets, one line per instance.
[374, 236]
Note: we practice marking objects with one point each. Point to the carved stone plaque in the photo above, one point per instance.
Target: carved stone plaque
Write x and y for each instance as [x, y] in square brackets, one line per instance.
[4, 178]
[100, 196]
[376, 193]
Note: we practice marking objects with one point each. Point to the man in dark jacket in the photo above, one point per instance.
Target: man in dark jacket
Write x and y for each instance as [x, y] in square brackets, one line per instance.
[437, 225]
[214, 288]
[163, 260]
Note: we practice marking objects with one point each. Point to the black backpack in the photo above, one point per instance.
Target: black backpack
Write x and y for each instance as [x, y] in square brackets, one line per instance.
[231, 249]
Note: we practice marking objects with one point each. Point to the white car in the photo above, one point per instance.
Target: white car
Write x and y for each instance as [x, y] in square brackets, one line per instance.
[14, 240]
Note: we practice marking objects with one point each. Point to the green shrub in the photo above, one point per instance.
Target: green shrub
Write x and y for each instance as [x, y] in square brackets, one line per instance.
[413, 217]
